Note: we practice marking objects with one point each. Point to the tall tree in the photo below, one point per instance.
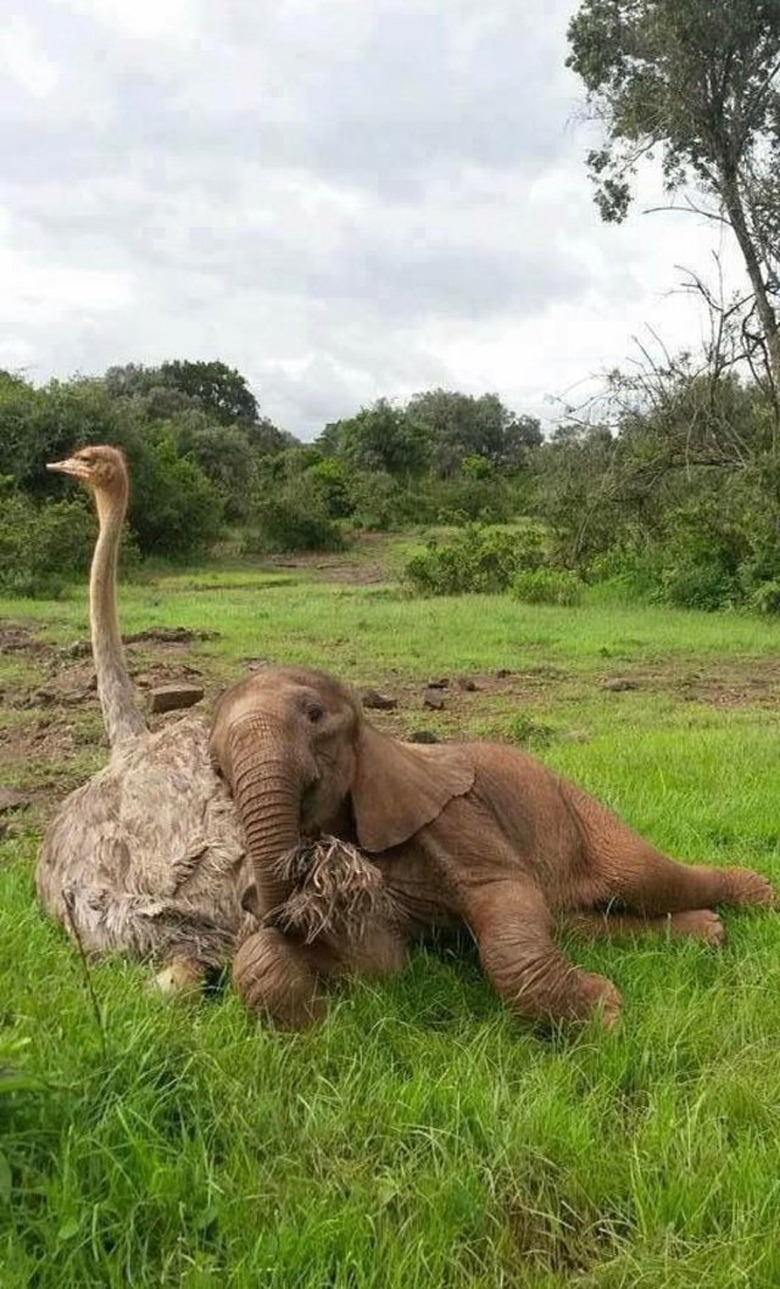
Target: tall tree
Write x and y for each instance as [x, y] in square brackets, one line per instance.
[697, 80]
[461, 426]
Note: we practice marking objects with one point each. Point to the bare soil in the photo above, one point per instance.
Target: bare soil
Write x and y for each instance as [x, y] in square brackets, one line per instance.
[51, 720]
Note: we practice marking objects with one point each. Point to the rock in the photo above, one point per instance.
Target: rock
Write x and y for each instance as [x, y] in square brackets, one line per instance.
[78, 649]
[378, 701]
[10, 799]
[502, 673]
[433, 699]
[257, 664]
[466, 683]
[166, 698]
[423, 736]
[618, 685]
[439, 684]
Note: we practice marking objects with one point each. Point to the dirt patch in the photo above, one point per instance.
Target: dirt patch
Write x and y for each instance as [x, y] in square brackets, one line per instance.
[749, 682]
[360, 565]
[15, 638]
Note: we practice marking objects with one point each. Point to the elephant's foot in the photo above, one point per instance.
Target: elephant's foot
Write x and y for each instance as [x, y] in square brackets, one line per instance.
[698, 924]
[743, 886]
[274, 977]
[597, 999]
[180, 975]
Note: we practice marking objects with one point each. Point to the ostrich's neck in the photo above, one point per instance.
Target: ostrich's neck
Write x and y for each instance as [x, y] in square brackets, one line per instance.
[121, 716]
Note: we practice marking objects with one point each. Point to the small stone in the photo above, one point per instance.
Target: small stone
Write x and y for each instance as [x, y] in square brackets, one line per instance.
[433, 699]
[10, 799]
[378, 701]
[502, 673]
[167, 698]
[466, 683]
[439, 684]
[618, 685]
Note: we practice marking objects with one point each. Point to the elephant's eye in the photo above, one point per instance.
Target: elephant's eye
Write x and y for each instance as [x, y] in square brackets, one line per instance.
[315, 713]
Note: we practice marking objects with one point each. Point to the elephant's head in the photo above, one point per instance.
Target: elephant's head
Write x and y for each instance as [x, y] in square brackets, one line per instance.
[300, 758]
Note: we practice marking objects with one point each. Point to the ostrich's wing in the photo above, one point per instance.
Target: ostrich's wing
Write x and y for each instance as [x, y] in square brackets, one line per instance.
[152, 840]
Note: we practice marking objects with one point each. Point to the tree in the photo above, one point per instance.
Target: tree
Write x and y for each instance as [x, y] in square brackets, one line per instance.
[697, 79]
[462, 426]
[212, 386]
[381, 437]
[216, 388]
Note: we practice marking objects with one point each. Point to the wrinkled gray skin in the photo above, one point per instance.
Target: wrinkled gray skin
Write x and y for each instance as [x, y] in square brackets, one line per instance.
[477, 834]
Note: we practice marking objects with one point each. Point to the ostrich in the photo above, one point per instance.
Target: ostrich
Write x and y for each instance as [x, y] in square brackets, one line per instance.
[147, 857]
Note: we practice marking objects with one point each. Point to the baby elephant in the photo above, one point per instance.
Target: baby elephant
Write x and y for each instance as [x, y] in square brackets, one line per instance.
[472, 833]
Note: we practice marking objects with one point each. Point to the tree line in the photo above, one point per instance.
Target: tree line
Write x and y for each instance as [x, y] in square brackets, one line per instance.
[668, 487]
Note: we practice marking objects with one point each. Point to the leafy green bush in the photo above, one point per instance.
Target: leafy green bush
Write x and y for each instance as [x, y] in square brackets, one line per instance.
[42, 548]
[174, 509]
[766, 598]
[699, 585]
[292, 515]
[547, 586]
[478, 559]
[281, 525]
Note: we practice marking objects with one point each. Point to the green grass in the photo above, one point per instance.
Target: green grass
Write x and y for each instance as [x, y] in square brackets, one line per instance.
[421, 1137]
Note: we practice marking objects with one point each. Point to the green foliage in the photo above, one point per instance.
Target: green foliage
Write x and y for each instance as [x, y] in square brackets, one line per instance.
[42, 547]
[547, 586]
[460, 427]
[174, 509]
[679, 504]
[377, 500]
[213, 387]
[478, 559]
[381, 437]
[766, 598]
[695, 77]
[293, 516]
[696, 80]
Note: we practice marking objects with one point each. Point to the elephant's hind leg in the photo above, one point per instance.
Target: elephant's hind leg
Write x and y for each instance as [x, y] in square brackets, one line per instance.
[513, 928]
[697, 924]
[646, 882]
[625, 868]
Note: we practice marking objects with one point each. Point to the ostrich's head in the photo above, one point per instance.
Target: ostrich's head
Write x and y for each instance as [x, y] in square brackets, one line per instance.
[102, 468]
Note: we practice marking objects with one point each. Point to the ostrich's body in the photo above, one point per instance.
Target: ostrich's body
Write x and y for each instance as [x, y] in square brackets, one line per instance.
[147, 858]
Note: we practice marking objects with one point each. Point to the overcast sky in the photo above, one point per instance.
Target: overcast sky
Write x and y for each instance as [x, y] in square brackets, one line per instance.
[341, 198]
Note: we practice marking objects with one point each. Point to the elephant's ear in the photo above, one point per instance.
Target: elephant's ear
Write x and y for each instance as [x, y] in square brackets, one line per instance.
[399, 788]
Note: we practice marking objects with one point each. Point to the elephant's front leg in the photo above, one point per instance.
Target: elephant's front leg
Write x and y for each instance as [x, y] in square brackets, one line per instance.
[275, 976]
[514, 928]
[282, 977]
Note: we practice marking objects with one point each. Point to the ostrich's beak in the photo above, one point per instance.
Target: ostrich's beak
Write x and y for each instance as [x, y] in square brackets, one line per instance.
[78, 469]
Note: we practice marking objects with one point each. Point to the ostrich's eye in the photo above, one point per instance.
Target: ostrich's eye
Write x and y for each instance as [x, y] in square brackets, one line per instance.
[314, 713]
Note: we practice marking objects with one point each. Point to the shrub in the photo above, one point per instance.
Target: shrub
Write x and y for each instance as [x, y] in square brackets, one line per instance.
[765, 598]
[699, 585]
[547, 586]
[478, 559]
[42, 548]
[175, 511]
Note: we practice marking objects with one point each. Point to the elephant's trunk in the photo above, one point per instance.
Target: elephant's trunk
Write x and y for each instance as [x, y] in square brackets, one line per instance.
[267, 789]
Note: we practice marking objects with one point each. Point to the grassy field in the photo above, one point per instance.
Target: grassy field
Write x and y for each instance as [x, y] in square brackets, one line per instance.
[421, 1137]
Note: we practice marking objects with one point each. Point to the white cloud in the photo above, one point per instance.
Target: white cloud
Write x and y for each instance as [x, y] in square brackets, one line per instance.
[342, 198]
